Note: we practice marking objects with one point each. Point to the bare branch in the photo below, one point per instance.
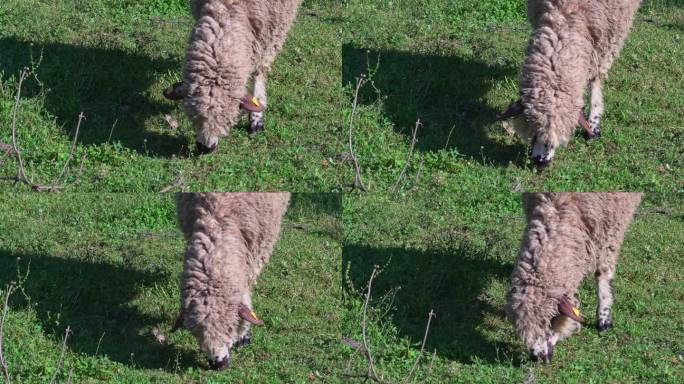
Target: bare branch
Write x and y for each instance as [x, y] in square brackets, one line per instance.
[449, 136]
[364, 346]
[358, 183]
[21, 174]
[422, 347]
[61, 355]
[414, 131]
[177, 183]
[371, 367]
[81, 116]
[3, 362]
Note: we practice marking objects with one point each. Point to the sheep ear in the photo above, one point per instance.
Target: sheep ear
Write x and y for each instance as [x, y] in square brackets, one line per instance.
[582, 121]
[251, 103]
[515, 109]
[179, 322]
[566, 308]
[248, 315]
[175, 92]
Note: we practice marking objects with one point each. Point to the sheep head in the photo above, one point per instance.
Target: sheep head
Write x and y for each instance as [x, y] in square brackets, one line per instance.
[542, 320]
[218, 336]
[207, 137]
[544, 144]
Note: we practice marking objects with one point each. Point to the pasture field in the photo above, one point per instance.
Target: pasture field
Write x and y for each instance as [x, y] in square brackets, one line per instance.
[108, 266]
[453, 65]
[454, 253]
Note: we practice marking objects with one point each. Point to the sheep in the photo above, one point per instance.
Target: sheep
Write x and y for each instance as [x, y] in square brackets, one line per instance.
[572, 47]
[230, 236]
[231, 42]
[568, 235]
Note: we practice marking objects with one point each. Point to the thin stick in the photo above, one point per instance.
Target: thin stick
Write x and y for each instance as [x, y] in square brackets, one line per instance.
[81, 116]
[371, 368]
[419, 173]
[3, 363]
[178, 182]
[97, 349]
[61, 355]
[358, 183]
[21, 174]
[410, 154]
[422, 347]
[449, 136]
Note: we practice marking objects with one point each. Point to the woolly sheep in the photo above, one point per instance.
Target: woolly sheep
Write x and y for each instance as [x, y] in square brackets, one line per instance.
[572, 47]
[568, 235]
[230, 237]
[231, 42]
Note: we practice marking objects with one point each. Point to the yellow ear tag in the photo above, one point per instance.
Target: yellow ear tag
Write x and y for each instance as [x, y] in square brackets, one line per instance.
[254, 315]
[576, 311]
[255, 101]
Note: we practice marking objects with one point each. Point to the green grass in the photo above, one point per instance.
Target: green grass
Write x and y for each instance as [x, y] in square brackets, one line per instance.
[454, 253]
[454, 65]
[108, 266]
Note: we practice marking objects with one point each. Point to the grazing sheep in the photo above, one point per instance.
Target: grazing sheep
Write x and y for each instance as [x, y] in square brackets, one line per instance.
[230, 237]
[573, 46]
[568, 235]
[231, 42]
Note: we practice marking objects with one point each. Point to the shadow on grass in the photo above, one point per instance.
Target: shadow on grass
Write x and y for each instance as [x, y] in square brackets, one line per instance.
[450, 283]
[110, 86]
[445, 92]
[94, 299]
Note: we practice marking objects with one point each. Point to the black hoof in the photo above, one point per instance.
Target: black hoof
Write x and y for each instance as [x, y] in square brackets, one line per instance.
[220, 365]
[595, 134]
[604, 325]
[255, 127]
[245, 340]
[203, 150]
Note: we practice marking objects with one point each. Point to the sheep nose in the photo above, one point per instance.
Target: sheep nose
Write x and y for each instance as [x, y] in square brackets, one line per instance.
[540, 161]
[204, 150]
[220, 365]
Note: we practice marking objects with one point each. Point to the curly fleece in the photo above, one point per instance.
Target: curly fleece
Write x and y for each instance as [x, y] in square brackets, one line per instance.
[231, 41]
[568, 235]
[230, 237]
[573, 43]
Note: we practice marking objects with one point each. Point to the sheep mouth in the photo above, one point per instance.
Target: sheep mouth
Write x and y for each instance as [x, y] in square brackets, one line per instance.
[220, 365]
[204, 150]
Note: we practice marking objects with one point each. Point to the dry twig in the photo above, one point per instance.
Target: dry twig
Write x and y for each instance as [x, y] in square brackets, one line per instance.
[81, 116]
[364, 346]
[61, 355]
[414, 132]
[3, 362]
[177, 183]
[358, 183]
[422, 347]
[21, 176]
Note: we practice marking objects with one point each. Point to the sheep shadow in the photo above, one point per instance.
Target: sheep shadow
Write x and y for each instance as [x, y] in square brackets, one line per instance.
[93, 298]
[110, 86]
[451, 283]
[446, 93]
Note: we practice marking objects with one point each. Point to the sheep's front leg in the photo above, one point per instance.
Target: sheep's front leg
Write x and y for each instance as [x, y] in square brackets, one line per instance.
[256, 119]
[596, 108]
[604, 278]
[244, 334]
